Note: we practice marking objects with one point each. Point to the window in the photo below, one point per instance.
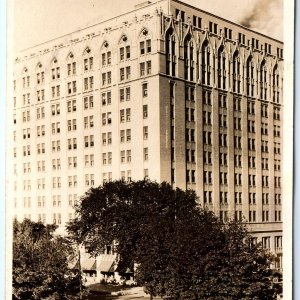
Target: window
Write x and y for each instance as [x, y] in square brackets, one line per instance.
[56, 164]
[124, 71]
[264, 146]
[103, 78]
[207, 177]
[263, 81]
[127, 73]
[146, 155]
[89, 141]
[265, 198]
[222, 101]
[128, 114]
[72, 162]
[251, 162]
[72, 144]
[145, 89]
[106, 118]
[106, 58]
[207, 197]
[89, 122]
[72, 125]
[221, 68]
[55, 127]
[56, 182]
[278, 243]
[40, 113]
[89, 179]
[265, 215]
[88, 83]
[55, 109]
[106, 78]
[228, 33]
[170, 47]
[223, 140]
[206, 64]
[238, 179]
[276, 148]
[223, 178]
[242, 38]
[26, 98]
[223, 159]
[125, 93]
[251, 126]
[40, 149]
[122, 155]
[142, 69]
[251, 144]
[55, 73]
[276, 131]
[72, 88]
[88, 102]
[237, 104]
[145, 111]
[207, 157]
[88, 63]
[197, 21]
[40, 77]
[236, 71]
[277, 182]
[250, 77]
[109, 155]
[145, 68]
[145, 132]
[223, 120]
[55, 146]
[122, 74]
[72, 181]
[145, 47]
[252, 198]
[237, 123]
[238, 197]
[276, 113]
[207, 137]
[71, 67]
[106, 138]
[104, 158]
[106, 98]
[252, 216]
[124, 53]
[265, 242]
[122, 115]
[252, 180]
[71, 105]
[213, 27]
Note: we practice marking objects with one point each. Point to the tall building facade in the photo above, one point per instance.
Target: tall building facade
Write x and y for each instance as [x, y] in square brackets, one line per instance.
[167, 92]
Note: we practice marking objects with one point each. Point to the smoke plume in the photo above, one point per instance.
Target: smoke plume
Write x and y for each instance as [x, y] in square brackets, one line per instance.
[265, 16]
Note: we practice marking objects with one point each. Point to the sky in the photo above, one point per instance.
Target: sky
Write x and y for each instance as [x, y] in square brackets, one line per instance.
[36, 21]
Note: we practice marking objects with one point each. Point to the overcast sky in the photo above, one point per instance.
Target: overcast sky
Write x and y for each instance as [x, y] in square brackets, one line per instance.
[37, 21]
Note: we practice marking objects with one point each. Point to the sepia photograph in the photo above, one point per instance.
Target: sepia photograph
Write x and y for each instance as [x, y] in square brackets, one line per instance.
[149, 149]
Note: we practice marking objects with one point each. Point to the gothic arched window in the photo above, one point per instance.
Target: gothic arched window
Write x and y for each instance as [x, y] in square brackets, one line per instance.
[236, 73]
[206, 64]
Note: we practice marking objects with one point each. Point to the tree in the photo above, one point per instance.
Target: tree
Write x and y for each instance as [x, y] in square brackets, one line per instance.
[40, 263]
[182, 251]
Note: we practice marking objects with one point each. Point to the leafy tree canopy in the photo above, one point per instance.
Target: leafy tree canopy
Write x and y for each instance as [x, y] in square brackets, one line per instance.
[40, 263]
[182, 251]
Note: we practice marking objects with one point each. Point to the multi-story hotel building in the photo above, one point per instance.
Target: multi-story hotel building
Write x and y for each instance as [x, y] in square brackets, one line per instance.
[166, 91]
